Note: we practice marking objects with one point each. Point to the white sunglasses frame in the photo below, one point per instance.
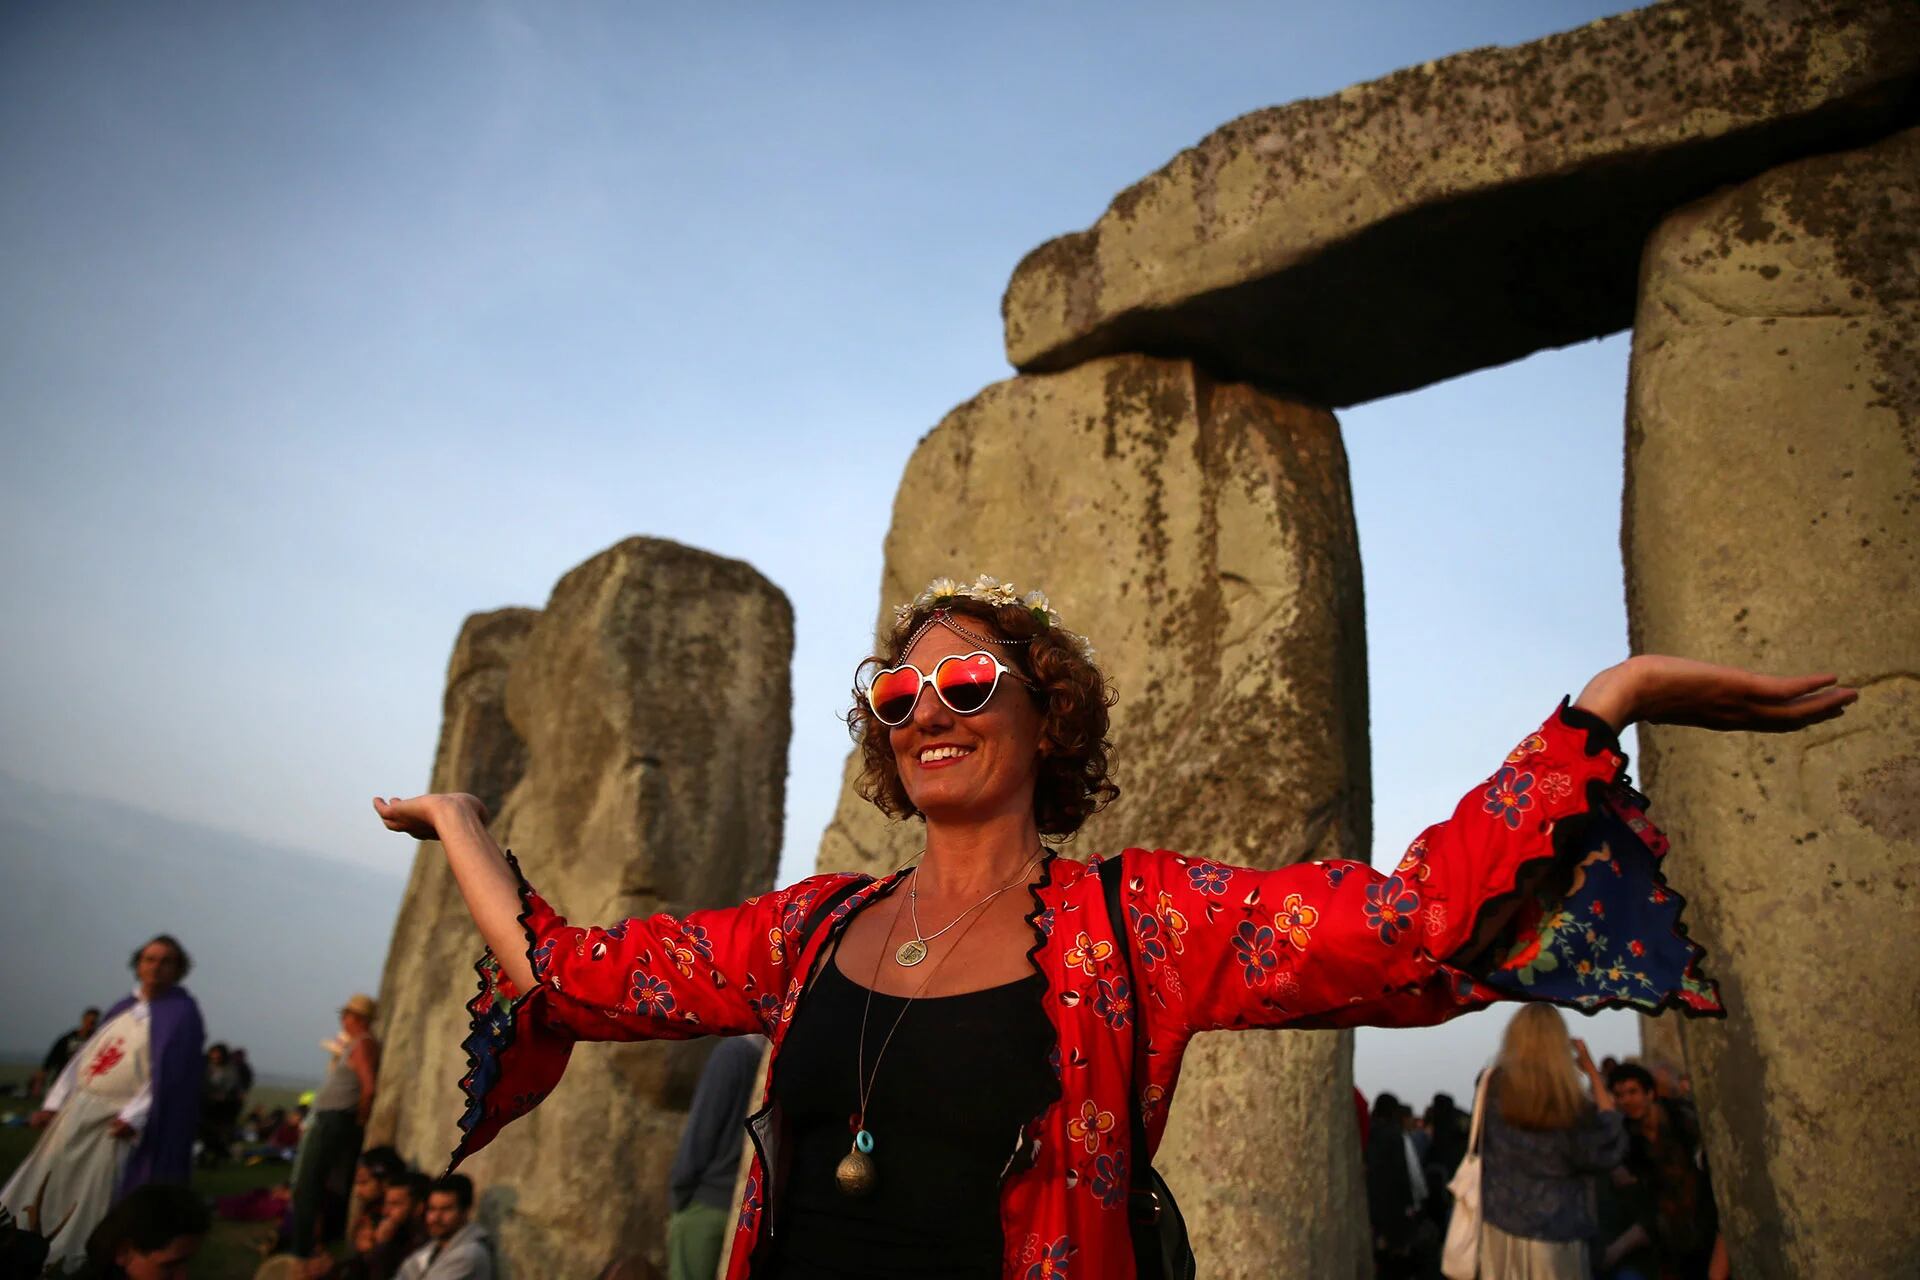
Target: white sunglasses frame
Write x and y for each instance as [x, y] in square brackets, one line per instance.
[999, 669]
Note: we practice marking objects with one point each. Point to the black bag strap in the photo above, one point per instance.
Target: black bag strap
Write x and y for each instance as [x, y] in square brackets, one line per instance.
[824, 908]
[1143, 1201]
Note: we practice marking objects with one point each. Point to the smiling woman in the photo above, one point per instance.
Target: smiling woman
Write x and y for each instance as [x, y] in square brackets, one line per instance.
[1069, 758]
[969, 1078]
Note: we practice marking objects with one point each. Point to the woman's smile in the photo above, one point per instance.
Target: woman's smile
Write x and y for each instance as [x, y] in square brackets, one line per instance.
[941, 755]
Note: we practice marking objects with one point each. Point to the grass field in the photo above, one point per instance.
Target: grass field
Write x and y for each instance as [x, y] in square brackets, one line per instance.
[230, 1252]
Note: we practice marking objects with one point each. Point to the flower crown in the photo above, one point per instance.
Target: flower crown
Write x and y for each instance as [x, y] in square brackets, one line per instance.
[992, 591]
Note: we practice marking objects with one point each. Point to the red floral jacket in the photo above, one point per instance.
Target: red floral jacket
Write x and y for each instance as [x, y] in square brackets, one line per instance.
[1543, 885]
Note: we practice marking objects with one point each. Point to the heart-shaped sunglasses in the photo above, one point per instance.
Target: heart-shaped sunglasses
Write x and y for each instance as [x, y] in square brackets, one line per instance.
[964, 682]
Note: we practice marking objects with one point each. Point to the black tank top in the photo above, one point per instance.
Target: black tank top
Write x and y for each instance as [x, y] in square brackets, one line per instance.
[961, 1077]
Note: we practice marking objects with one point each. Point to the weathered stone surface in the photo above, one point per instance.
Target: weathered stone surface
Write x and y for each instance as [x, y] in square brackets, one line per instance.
[1461, 213]
[1202, 535]
[1773, 520]
[1660, 1042]
[644, 788]
[424, 984]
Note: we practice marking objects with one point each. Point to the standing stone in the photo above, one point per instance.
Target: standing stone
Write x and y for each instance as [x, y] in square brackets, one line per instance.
[423, 987]
[652, 699]
[1660, 1042]
[1202, 536]
[1464, 212]
[1773, 521]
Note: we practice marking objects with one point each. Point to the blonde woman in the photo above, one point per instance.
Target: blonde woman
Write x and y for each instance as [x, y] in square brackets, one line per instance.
[1543, 1139]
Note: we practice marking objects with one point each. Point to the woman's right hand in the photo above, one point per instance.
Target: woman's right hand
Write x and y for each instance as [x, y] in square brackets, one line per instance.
[488, 884]
[421, 816]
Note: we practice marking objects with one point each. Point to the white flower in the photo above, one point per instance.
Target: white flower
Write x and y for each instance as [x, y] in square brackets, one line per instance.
[993, 591]
[990, 590]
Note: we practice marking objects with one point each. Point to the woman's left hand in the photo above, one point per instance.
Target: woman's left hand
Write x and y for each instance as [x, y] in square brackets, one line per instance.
[1704, 695]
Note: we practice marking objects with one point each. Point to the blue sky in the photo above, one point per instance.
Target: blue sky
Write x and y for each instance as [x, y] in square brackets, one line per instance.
[328, 325]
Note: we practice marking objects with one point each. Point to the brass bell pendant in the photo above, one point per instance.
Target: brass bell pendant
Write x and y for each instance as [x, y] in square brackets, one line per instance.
[855, 1172]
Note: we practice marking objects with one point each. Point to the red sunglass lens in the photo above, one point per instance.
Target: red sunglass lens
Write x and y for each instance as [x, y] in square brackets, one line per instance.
[965, 684]
[893, 693]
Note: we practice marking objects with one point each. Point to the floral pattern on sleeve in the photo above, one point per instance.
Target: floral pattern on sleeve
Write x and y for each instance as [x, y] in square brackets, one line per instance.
[1613, 937]
[1543, 885]
[723, 971]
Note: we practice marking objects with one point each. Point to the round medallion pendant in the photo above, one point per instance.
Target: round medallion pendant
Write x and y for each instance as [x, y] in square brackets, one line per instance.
[854, 1173]
[911, 952]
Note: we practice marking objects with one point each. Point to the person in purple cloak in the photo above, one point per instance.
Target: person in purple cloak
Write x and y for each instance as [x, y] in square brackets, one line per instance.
[121, 1114]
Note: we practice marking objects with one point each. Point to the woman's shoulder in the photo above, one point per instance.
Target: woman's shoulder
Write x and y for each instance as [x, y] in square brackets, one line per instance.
[803, 900]
[1588, 1119]
[815, 885]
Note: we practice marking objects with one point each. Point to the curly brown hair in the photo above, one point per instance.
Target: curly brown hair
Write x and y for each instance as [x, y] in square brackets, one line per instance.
[1068, 689]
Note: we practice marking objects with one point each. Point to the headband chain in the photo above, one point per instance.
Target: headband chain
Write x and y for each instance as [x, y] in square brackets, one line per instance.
[942, 592]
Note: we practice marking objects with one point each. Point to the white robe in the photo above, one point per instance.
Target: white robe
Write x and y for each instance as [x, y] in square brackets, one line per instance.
[67, 1181]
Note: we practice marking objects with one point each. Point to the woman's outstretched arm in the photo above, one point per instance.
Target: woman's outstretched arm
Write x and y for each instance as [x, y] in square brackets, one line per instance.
[489, 885]
[546, 984]
[1543, 884]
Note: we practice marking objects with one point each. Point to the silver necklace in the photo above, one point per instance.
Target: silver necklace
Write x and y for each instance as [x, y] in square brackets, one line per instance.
[914, 949]
[856, 1172]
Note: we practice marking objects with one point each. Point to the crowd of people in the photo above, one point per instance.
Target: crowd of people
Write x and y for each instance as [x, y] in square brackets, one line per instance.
[1587, 1171]
[121, 1114]
[130, 1100]
[400, 1224]
[223, 1131]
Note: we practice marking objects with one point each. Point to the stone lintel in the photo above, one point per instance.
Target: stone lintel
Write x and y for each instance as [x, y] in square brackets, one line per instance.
[1461, 213]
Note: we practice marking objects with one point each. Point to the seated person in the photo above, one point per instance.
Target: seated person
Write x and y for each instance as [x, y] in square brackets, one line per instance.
[152, 1234]
[456, 1247]
[358, 1264]
[286, 1134]
[403, 1225]
[23, 1250]
[372, 1171]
